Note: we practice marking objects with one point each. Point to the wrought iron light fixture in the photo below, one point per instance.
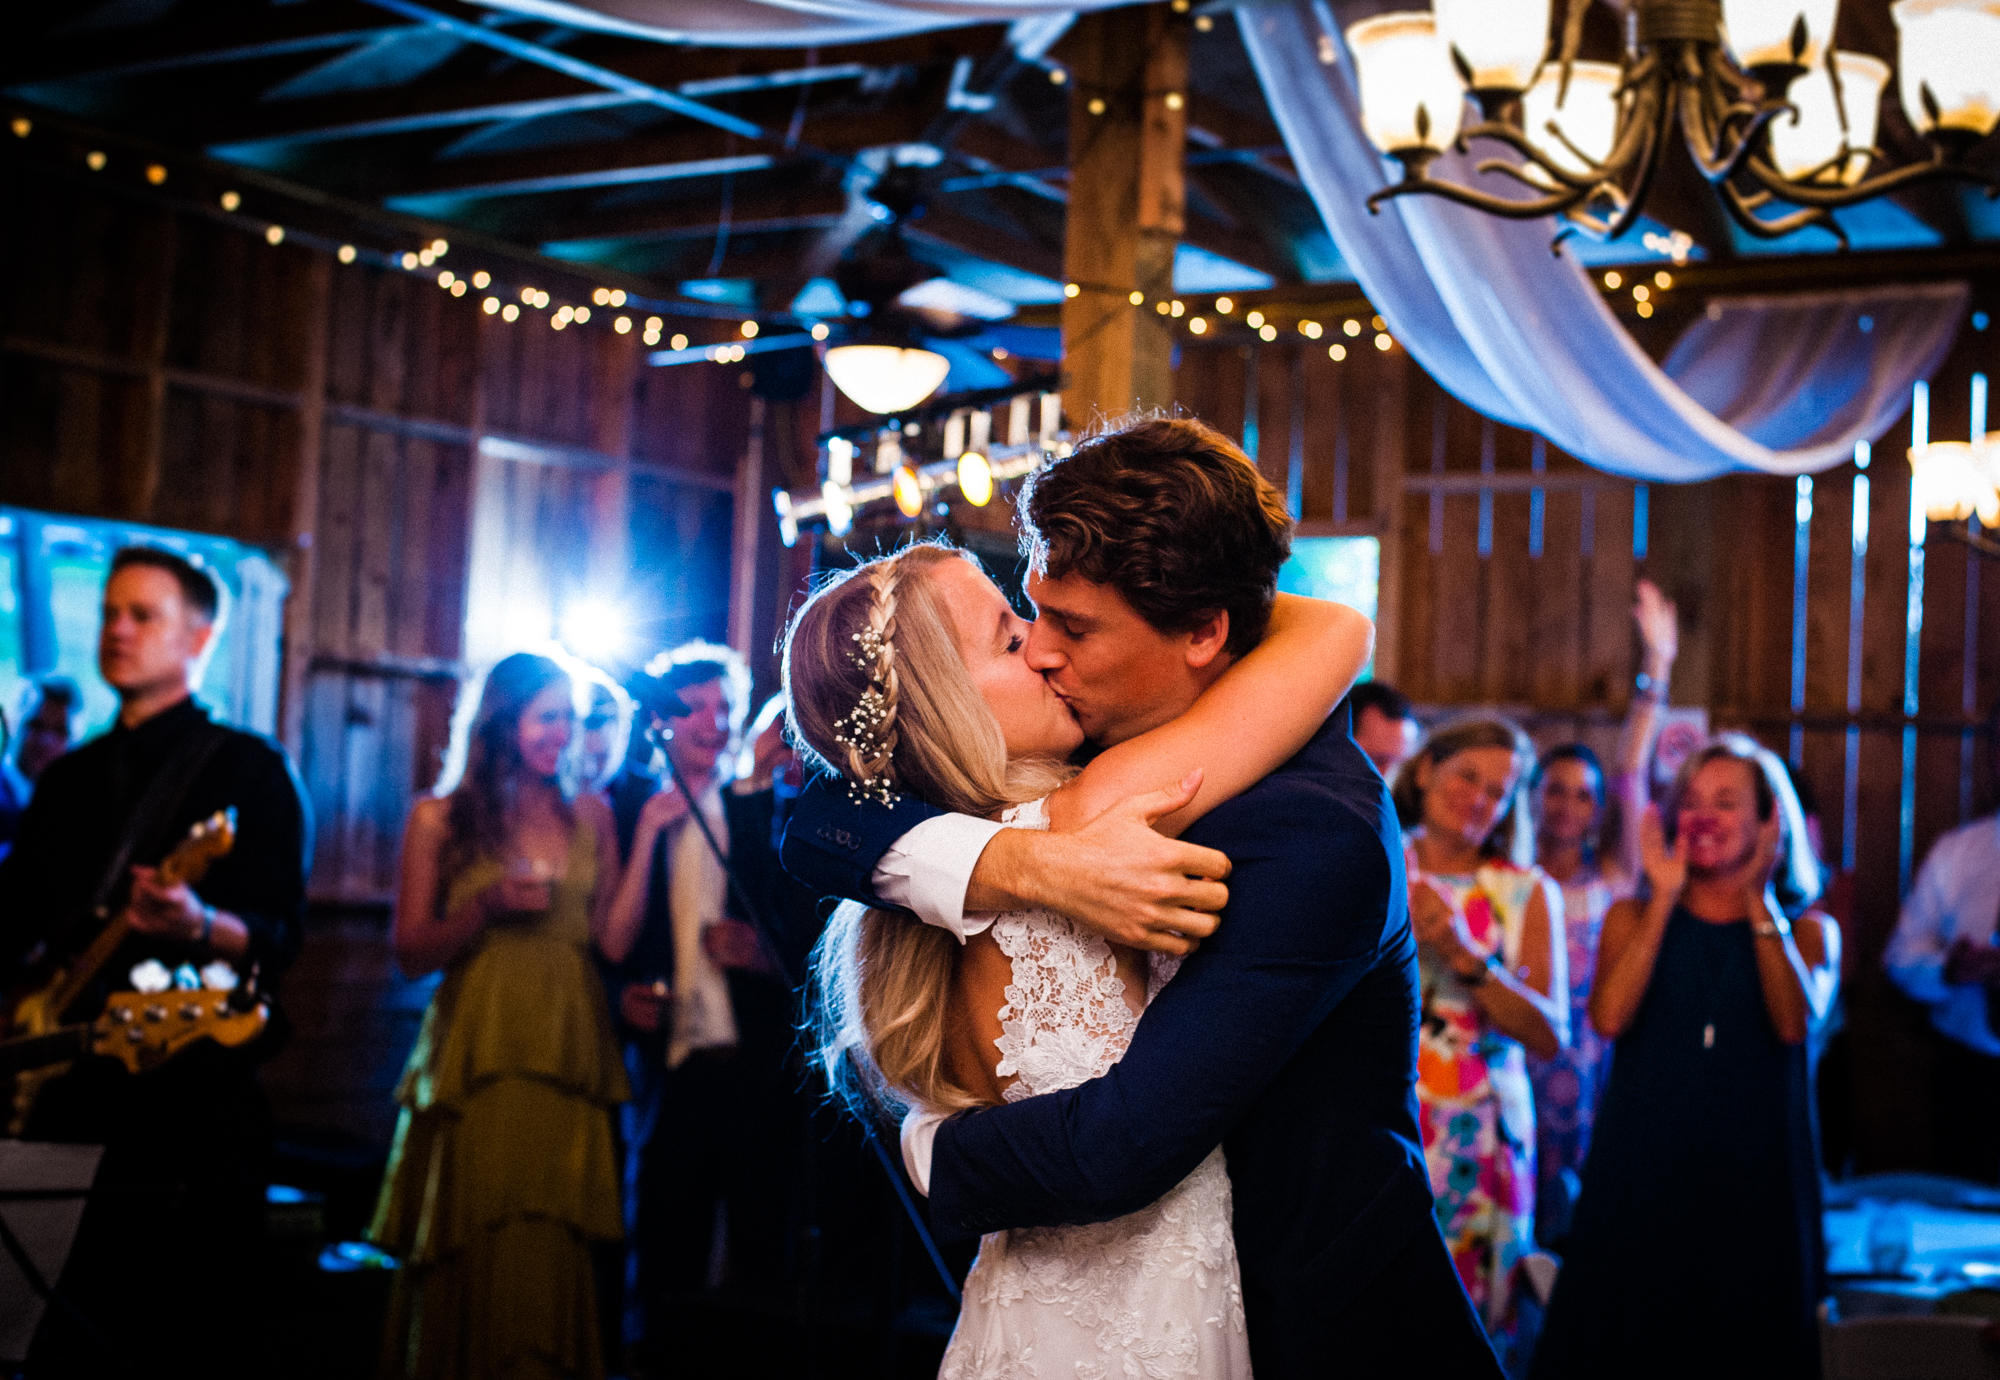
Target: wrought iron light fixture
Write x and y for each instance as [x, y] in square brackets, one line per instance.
[1770, 114]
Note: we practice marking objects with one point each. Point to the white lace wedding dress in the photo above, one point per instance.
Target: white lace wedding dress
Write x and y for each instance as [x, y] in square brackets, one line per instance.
[1151, 1295]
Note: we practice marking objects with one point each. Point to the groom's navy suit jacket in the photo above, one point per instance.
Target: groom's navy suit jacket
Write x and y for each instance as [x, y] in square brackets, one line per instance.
[1289, 1038]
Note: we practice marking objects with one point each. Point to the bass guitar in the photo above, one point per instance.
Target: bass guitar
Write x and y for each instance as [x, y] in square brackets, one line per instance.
[41, 1009]
[142, 1030]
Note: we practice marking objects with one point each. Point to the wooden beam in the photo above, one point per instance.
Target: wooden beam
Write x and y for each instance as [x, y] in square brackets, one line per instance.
[444, 102]
[144, 58]
[603, 163]
[484, 110]
[1127, 140]
[988, 241]
[624, 175]
[595, 73]
[754, 212]
[300, 604]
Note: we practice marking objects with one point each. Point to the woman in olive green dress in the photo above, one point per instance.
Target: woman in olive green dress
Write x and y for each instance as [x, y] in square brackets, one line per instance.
[502, 1179]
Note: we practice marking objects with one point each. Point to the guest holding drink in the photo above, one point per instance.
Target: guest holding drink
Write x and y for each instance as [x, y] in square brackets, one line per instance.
[1485, 919]
[1696, 1249]
[1587, 840]
[502, 1178]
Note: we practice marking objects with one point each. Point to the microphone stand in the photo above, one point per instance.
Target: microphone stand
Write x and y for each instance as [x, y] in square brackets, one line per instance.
[661, 734]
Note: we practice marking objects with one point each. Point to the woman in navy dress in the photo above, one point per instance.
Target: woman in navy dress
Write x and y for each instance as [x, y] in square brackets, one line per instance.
[1697, 1247]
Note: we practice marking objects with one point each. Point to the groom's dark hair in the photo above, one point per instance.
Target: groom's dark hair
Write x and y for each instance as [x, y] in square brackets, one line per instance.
[1171, 514]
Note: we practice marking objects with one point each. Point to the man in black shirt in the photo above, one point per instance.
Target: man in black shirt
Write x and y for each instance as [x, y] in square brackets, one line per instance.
[180, 1185]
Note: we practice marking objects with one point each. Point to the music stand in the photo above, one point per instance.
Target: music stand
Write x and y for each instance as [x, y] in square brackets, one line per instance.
[43, 1187]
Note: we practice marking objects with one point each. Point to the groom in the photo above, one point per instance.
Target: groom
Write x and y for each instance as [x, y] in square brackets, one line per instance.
[1289, 1035]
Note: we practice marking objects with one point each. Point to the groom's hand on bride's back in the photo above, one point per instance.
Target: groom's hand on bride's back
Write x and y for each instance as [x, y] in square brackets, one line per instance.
[1115, 875]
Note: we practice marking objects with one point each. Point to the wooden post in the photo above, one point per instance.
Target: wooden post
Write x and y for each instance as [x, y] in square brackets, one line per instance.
[299, 603]
[1127, 137]
[1389, 508]
[612, 425]
[140, 480]
[752, 520]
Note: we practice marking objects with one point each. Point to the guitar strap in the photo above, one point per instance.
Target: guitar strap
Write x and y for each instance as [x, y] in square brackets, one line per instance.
[169, 787]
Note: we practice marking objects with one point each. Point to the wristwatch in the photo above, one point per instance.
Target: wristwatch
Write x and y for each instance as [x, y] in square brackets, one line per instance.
[1772, 929]
[1485, 974]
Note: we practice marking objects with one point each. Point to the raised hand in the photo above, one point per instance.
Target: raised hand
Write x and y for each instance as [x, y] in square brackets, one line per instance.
[1659, 624]
[1764, 861]
[1665, 868]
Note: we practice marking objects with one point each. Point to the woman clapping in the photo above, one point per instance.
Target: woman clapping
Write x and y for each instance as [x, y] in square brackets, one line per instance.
[1696, 1246]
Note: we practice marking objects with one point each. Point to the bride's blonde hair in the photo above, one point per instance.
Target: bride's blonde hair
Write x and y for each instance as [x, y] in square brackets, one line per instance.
[877, 693]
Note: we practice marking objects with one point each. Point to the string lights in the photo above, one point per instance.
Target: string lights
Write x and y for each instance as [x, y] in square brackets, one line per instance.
[229, 207]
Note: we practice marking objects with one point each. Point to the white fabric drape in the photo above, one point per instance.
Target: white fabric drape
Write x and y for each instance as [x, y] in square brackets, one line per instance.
[1785, 386]
[1525, 336]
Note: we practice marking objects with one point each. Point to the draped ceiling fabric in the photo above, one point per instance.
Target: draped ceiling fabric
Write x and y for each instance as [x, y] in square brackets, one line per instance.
[1525, 336]
[1781, 385]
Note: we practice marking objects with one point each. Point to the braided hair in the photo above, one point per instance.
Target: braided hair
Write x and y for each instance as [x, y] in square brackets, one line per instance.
[868, 731]
[878, 694]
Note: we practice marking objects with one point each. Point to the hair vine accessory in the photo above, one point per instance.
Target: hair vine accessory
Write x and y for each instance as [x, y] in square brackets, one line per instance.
[868, 732]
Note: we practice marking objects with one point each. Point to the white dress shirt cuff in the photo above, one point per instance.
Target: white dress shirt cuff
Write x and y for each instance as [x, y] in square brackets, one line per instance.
[919, 1135]
[928, 870]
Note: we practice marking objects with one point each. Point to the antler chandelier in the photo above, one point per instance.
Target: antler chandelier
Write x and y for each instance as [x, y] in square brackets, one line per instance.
[1770, 114]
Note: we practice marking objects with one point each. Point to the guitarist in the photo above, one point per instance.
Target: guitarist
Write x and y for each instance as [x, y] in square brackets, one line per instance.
[181, 1181]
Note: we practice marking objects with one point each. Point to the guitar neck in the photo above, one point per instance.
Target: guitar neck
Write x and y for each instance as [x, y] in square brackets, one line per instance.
[35, 1051]
[85, 970]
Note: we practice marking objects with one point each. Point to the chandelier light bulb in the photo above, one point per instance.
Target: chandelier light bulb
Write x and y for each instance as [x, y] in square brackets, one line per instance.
[1815, 140]
[1502, 41]
[1951, 47]
[1944, 480]
[885, 378]
[1761, 32]
[1587, 117]
[1411, 97]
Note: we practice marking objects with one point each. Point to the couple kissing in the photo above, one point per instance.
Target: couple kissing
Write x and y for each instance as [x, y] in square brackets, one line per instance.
[1190, 1141]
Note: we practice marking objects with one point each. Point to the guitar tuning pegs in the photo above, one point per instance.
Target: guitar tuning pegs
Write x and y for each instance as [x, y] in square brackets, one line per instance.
[186, 979]
[219, 977]
[151, 976]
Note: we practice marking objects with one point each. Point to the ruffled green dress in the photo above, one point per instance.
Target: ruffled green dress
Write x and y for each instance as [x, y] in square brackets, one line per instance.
[502, 1176]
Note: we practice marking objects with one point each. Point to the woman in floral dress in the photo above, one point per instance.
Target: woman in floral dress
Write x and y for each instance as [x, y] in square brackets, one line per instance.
[1485, 920]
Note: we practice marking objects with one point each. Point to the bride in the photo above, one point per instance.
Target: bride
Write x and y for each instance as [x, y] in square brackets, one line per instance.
[909, 674]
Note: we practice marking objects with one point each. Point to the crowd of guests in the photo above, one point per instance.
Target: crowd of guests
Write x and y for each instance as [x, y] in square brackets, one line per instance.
[1559, 912]
[599, 1112]
[1620, 987]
